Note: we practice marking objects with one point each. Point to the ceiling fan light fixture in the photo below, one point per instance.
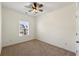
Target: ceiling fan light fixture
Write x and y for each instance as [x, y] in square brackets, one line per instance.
[35, 8]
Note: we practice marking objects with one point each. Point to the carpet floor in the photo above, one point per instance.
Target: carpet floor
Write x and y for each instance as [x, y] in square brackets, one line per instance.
[35, 48]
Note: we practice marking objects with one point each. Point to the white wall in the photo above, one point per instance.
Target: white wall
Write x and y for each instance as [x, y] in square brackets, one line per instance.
[58, 28]
[10, 27]
[0, 27]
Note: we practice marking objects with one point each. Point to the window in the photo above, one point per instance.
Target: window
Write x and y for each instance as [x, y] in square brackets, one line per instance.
[23, 28]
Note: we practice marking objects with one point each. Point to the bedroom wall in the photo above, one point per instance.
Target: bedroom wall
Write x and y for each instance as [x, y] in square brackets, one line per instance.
[10, 27]
[58, 27]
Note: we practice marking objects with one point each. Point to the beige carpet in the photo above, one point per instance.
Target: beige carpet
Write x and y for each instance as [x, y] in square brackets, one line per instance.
[35, 48]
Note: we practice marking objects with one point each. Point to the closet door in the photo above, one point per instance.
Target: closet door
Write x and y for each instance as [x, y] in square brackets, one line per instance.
[77, 29]
[0, 28]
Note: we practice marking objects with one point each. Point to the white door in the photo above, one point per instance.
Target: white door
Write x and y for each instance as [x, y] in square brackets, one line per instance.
[0, 27]
[77, 29]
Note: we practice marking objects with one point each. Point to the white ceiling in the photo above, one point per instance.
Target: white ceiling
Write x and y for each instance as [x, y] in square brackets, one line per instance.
[48, 6]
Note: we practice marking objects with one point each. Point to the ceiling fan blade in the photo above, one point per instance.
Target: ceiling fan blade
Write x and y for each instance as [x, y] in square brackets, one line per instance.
[40, 5]
[35, 4]
[40, 10]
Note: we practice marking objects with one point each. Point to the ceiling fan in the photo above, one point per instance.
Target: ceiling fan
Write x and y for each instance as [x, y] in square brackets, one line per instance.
[35, 7]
